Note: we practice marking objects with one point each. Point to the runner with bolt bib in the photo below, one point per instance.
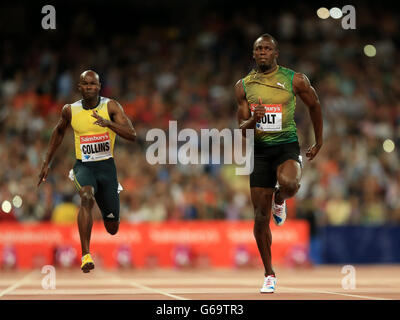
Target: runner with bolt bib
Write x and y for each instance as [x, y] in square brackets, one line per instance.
[266, 100]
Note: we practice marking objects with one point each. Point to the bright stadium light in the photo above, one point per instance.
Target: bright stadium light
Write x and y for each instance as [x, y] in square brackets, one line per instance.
[388, 145]
[6, 206]
[17, 201]
[370, 50]
[323, 13]
[336, 13]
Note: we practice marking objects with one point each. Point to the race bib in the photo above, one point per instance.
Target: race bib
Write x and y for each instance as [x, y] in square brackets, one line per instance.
[95, 147]
[272, 120]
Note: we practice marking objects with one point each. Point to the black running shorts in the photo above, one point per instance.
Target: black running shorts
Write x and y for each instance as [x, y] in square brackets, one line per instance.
[102, 176]
[267, 160]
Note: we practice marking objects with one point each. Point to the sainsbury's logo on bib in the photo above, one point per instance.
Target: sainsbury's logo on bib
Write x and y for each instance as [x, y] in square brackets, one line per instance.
[268, 107]
[95, 138]
[95, 147]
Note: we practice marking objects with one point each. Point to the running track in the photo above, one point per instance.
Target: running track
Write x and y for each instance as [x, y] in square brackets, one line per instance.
[373, 282]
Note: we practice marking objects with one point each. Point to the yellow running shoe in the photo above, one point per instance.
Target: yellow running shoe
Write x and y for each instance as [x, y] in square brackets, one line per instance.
[87, 263]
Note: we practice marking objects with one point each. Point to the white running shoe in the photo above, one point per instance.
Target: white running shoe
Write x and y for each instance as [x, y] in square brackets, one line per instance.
[279, 213]
[269, 285]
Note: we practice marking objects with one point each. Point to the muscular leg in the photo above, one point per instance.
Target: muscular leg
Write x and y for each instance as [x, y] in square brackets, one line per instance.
[111, 226]
[85, 219]
[262, 201]
[288, 175]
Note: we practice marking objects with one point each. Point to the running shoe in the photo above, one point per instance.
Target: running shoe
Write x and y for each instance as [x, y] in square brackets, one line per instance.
[269, 284]
[87, 263]
[279, 213]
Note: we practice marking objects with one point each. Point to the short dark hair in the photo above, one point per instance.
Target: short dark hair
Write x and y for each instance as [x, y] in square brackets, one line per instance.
[267, 35]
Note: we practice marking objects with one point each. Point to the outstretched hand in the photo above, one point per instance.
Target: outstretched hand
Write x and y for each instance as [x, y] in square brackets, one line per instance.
[100, 120]
[312, 151]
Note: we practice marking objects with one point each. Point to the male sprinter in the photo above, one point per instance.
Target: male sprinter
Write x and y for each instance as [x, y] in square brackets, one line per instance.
[266, 100]
[96, 121]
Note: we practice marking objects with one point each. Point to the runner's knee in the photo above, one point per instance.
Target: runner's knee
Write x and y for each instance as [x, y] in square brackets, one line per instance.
[87, 197]
[260, 220]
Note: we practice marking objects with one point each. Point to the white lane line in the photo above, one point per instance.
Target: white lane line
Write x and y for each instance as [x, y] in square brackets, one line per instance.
[171, 291]
[130, 291]
[140, 286]
[17, 284]
[336, 293]
[78, 292]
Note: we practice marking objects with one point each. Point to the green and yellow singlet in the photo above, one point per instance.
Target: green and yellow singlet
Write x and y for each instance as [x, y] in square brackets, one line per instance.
[92, 142]
[276, 93]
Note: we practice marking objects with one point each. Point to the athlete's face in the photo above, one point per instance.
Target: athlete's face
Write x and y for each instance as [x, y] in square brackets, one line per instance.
[89, 85]
[265, 53]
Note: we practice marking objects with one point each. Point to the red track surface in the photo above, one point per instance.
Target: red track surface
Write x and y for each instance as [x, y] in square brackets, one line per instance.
[317, 283]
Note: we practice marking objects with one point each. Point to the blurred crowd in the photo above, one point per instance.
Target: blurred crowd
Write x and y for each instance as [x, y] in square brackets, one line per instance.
[184, 69]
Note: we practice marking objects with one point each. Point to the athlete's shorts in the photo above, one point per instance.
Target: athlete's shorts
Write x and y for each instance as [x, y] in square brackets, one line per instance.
[267, 160]
[102, 176]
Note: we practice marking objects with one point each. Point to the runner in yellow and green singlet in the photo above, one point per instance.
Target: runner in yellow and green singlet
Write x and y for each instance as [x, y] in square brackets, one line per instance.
[96, 121]
[266, 100]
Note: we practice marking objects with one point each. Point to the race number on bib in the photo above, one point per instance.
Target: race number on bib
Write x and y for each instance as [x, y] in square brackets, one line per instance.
[272, 120]
[95, 147]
